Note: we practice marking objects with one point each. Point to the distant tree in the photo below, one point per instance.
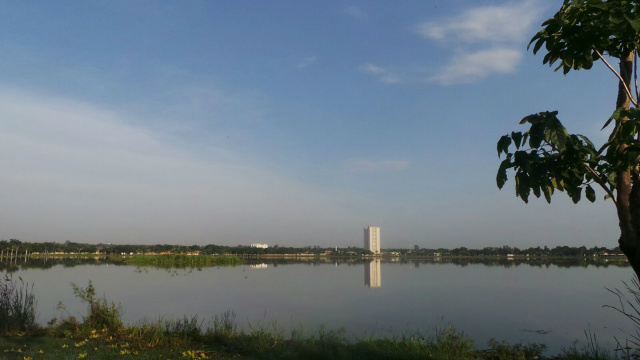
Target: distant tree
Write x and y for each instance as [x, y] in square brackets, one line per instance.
[546, 157]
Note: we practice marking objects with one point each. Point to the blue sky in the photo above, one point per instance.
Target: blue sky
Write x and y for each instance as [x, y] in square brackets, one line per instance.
[291, 123]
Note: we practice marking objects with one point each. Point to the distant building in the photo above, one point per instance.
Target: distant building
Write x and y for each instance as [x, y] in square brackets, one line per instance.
[259, 246]
[372, 239]
[416, 247]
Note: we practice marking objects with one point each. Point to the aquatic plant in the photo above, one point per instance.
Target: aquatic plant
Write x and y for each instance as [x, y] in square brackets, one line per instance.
[182, 261]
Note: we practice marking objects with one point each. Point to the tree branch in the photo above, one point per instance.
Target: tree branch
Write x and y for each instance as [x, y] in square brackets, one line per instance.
[626, 88]
[600, 182]
[635, 73]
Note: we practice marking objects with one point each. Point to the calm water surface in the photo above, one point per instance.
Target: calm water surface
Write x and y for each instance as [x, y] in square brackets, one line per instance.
[548, 304]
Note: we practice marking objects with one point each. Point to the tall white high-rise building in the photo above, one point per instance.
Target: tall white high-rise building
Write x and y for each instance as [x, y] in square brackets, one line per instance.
[372, 239]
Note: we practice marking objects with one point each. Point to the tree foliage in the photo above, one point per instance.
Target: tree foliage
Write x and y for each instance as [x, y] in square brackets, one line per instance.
[547, 158]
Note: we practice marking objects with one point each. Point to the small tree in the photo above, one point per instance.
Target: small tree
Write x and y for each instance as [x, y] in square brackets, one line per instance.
[101, 314]
[546, 157]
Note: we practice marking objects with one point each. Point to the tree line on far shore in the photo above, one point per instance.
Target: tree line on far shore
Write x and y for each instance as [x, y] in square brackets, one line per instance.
[14, 246]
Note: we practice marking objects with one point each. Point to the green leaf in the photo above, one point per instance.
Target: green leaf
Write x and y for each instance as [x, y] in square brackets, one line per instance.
[536, 191]
[547, 191]
[503, 144]
[587, 141]
[628, 130]
[598, 4]
[575, 197]
[590, 193]
[607, 123]
[501, 177]
[517, 138]
[538, 44]
[536, 135]
[523, 188]
[635, 23]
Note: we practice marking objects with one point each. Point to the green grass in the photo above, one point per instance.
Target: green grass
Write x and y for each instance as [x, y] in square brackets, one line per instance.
[163, 340]
[187, 338]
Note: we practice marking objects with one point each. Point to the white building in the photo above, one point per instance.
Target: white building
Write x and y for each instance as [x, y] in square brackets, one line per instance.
[372, 239]
[260, 246]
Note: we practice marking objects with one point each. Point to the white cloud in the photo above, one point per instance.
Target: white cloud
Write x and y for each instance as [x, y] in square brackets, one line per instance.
[71, 170]
[382, 74]
[494, 24]
[502, 29]
[307, 61]
[371, 69]
[369, 165]
[355, 12]
[390, 79]
[466, 68]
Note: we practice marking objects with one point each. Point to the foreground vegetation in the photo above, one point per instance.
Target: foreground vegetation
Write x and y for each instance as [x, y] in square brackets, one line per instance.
[100, 334]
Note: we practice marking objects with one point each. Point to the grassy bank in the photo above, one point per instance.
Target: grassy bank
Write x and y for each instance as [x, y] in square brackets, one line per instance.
[100, 334]
[188, 339]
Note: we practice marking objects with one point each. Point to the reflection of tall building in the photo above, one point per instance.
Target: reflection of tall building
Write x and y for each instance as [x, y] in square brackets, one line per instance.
[372, 239]
[372, 276]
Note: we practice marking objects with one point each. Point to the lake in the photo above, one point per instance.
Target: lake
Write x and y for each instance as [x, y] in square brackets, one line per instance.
[514, 301]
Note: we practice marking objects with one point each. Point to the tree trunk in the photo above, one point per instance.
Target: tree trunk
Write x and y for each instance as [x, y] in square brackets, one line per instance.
[628, 181]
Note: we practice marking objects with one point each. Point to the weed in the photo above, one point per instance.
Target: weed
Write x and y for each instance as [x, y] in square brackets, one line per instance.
[101, 315]
[187, 328]
[630, 308]
[224, 327]
[17, 306]
[502, 350]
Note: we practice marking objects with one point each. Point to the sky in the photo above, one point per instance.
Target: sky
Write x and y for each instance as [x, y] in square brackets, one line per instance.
[294, 123]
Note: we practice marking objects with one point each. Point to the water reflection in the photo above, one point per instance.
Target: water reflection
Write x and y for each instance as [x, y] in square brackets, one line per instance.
[372, 276]
[372, 267]
[13, 264]
[512, 300]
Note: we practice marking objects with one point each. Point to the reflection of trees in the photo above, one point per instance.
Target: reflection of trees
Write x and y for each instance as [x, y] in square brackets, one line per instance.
[508, 263]
[497, 262]
[310, 261]
[15, 264]
[42, 262]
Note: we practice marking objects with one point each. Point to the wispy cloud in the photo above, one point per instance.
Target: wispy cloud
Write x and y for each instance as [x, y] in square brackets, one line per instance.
[493, 24]
[356, 12]
[390, 79]
[466, 68]
[307, 62]
[87, 175]
[499, 30]
[371, 69]
[383, 74]
[370, 165]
